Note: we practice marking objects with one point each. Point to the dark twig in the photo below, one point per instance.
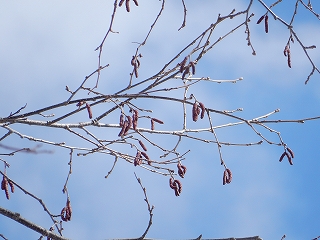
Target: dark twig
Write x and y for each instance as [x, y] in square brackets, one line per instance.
[184, 15]
[150, 208]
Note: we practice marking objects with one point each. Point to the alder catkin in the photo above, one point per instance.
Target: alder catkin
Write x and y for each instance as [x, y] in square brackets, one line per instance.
[285, 51]
[4, 182]
[289, 158]
[136, 2]
[135, 117]
[137, 159]
[133, 61]
[142, 145]
[289, 58]
[260, 19]
[291, 152]
[186, 71]
[181, 170]
[121, 2]
[147, 157]
[4, 186]
[178, 188]
[129, 125]
[171, 183]
[195, 112]
[128, 5]
[11, 186]
[193, 68]
[266, 24]
[158, 120]
[183, 63]
[68, 210]
[121, 121]
[136, 74]
[62, 213]
[227, 176]
[89, 110]
[282, 156]
[124, 127]
[203, 110]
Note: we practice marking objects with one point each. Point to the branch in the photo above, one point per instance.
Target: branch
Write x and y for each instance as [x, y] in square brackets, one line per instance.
[17, 217]
[150, 208]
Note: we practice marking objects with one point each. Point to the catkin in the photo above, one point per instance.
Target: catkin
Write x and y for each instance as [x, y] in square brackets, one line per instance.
[89, 110]
[183, 63]
[193, 68]
[142, 145]
[157, 120]
[203, 110]
[291, 152]
[266, 24]
[128, 5]
[195, 112]
[260, 19]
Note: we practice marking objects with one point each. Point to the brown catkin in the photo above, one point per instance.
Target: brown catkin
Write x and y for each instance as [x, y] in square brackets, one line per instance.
[128, 5]
[193, 68]
[203, 110]
[186, 71]
[4, 186]
[181, 170]
[121, 2]
[137, 159]
[137, 63]
[68, 210]
[289, 58]
[4, 182]
[89, 110]
[157, 120]
[171, 180]
[289, 158]
[266, 24]
[136, 74]
[260, 19]
[136, 2]
[291, 152]
[224, 178]
[11, 186]
[282, 156]
[152, 124]
[124, 127]
[147, 157]
[121, 121]
[178, 188]
[142, 145]
[195, 112]
[135, 117]
[133, 61]
[285, 51]
[62, 213]
[229, 175]
[183, 63]
[129, 122]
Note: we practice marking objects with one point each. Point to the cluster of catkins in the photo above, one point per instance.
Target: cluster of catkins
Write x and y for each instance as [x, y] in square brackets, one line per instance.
[66, 212]
[5, 183]
[128, 4]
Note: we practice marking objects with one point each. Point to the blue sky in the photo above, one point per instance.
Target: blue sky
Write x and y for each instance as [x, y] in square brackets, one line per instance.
[46, 46]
